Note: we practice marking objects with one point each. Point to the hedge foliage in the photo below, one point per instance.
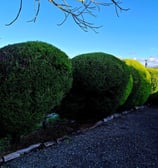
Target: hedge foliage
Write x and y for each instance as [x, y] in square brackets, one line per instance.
[153, 99]
[101, 83]
[34, 77]
[154, 79]
[141, 84]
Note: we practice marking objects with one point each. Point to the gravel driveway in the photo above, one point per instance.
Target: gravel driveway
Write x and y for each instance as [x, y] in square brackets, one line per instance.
[130, 141]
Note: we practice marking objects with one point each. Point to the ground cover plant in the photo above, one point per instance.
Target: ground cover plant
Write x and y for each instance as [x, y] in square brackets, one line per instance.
[34, 77]
[141, 84]
[101, 83]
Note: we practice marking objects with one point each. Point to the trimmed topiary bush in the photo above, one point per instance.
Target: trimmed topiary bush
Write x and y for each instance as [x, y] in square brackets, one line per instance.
[101, 83]
[141, 84]
[154, 79]
[153, 99]
[34, 77]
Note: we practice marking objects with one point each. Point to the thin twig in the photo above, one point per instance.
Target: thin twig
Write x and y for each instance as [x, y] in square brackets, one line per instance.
[18, 14]
[37, 12]
[116, 3]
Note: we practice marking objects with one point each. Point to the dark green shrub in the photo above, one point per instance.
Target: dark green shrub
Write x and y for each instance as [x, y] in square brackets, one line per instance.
[101, 83]
[141, 84]
[34, 77]
[153, 99]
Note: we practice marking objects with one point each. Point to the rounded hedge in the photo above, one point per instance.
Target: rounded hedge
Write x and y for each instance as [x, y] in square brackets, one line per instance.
[34, 77]
[101, 83]
[154, 79]
[153, 99]
[141, 84]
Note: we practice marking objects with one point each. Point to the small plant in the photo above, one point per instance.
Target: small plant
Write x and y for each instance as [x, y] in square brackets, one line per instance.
[52, 118]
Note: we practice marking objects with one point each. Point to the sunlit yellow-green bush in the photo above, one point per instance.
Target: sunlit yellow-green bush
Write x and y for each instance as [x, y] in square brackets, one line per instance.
[153, 99]
[141, 84]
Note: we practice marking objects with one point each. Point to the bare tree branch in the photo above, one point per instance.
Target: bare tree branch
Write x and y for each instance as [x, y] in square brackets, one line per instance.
[117, 6]
[36, 11]
[78, 11]
[18, 14]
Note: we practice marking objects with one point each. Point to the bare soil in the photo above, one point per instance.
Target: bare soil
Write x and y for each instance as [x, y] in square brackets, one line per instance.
[50, 133]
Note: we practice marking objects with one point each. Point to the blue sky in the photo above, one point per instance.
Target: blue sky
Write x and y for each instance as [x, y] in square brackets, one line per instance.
[134, 34]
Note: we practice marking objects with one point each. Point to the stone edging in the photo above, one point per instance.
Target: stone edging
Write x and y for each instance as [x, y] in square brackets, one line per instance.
[34, 147]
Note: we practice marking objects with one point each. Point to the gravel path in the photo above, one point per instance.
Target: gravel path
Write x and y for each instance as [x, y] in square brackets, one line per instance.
[130, 141]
